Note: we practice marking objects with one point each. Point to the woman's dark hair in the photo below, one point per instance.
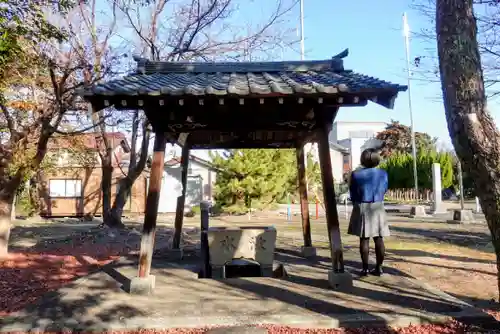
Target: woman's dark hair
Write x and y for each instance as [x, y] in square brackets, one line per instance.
[370, 158]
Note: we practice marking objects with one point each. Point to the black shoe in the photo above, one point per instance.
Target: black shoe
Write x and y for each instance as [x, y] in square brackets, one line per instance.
[377, 272]
[363, 272]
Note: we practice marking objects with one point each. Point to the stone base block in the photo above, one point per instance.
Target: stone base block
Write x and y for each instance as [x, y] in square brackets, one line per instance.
[417, 211]
[142, 285]
[308, 252]
[340, 281]
[464, 217]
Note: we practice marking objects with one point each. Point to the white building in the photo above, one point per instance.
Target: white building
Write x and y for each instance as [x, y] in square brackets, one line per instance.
[348, 140]
[200, 183]
[339, 155]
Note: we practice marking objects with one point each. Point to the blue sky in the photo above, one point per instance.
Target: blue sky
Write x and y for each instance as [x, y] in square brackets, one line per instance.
[372, 31]
[373, 34]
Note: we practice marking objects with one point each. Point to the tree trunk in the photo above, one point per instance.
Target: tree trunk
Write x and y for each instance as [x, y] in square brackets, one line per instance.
[304, 203]
[13, 208]
[135, 168]
[7, 192]
[107, 178]
[5, 222]
[181, 200]
[125, 187]
[33, 193]
[471, 127]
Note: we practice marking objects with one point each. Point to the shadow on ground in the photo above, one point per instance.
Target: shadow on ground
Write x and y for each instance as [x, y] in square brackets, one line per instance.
[464, 237]
[277, 290]
[48, 260]
[45, 257]
[52, 312]
[404, 296]
[55, 308]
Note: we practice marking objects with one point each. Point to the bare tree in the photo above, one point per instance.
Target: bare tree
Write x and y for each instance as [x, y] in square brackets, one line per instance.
[487, 13]
[92, 28]
[37, 101]
[190, 30]
[473, 132]
[135, 166]
[204, 29]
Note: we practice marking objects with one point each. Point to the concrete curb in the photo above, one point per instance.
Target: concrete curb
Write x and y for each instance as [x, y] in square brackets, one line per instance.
[32, 323]
[466, 222]
[477, 317]
[468, 315]
[431, 219]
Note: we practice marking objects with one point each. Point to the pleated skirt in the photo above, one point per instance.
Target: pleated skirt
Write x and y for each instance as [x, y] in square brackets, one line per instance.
[368, 220]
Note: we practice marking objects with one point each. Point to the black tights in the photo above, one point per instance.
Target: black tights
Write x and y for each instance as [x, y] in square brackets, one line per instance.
[364, 249]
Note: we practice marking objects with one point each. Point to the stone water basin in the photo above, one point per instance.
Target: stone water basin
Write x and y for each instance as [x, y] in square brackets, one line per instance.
[254, 243]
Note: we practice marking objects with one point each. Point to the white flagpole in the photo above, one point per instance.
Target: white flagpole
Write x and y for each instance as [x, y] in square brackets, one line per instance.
[308, 146]
[302, 46]
[406, 32]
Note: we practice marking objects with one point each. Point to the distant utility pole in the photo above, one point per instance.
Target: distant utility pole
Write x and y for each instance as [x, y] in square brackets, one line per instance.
[461, 184]
[302, 46]
[406, 32]
[307, 147]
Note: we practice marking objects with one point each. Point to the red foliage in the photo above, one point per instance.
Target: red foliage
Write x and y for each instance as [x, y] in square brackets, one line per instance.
[25, 276]
[450, 328]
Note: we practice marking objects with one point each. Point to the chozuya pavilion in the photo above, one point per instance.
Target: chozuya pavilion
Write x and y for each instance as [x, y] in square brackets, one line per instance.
[225, 105]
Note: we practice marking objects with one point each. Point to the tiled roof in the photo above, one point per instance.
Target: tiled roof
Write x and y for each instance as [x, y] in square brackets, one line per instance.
[339, 147]
[243, 79]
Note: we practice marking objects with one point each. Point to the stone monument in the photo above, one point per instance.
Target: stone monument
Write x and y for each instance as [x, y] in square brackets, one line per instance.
[437, 204]
[478, 210]
[246, 242]
[418, 211]
[463, 216]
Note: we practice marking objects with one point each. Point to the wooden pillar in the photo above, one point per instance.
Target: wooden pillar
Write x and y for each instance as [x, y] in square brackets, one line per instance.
[181, 200]
[304, 204]
[332, 216]
[149, 228]
[205, 255]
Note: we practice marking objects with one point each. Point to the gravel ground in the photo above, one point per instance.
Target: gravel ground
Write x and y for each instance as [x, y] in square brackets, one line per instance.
[450, 328]
[29, 273]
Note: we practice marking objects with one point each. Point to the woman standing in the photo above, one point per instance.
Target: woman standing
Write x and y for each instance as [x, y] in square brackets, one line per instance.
[368, 219]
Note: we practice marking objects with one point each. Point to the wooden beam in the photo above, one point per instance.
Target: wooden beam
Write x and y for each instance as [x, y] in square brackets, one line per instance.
[204, 249]
[181, 200]
[253, 140]
[149, 228]
[332, 216]
[208, 104]
[245, 124]
[245, 145]
[304, 204]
